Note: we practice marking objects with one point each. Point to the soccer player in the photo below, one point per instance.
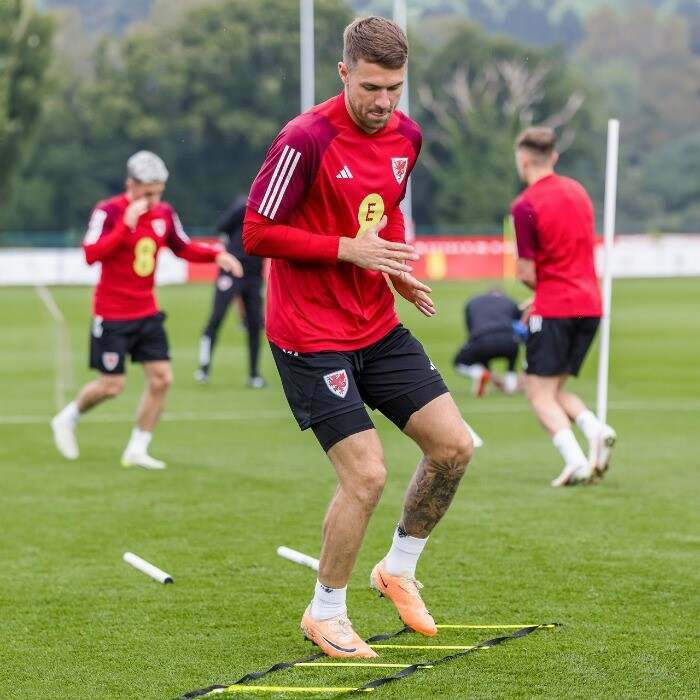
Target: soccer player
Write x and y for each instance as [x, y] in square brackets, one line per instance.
[490, 320]
[325, 208]
[555, 231]
[125, 234]
[226, 289]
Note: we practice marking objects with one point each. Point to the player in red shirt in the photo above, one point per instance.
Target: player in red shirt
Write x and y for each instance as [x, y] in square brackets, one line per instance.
[555, 233]
[125, 234]
[325, 208]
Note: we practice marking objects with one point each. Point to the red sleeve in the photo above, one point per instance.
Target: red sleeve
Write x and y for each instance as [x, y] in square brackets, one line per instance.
[525, 222]
[181, 244]
[264, 238]
[290, 168]
[395, 229]
[104, 234]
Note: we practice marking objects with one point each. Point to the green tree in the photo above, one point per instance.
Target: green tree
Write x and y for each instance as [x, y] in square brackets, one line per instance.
[648, 76]
[209, 95]
[475, 95]
[25, 50]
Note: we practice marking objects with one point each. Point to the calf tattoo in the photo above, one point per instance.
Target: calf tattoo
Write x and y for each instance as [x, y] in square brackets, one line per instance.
[429, 495]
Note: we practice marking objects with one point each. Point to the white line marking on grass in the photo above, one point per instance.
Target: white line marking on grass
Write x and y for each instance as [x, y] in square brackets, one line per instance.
[166, 418]
[63, 376]
[256, 416]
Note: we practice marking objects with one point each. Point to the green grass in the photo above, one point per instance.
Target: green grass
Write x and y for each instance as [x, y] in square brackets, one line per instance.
[616, 563]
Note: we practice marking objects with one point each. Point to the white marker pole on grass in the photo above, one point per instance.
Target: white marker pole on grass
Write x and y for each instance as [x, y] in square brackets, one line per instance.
[147, 568]
[607, 266]
[298, 557]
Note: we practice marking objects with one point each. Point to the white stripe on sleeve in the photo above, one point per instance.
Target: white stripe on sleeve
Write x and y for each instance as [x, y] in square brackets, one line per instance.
[286, 183]
[179, 231]
[95, 227]
[281, 180]
[273, 178]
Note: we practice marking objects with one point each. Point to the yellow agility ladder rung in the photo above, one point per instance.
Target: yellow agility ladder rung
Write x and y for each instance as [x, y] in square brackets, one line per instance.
[426, 646]
[287, 689]
[487, 627]
[367, 664]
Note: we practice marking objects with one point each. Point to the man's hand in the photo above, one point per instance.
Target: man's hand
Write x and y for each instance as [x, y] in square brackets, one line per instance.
[525, 272]
[229, 263]
[134, 211]
[415, 291]
[374, 253]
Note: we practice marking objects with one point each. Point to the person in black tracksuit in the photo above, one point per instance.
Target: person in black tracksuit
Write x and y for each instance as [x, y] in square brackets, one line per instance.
[227, 288]
[492, 321]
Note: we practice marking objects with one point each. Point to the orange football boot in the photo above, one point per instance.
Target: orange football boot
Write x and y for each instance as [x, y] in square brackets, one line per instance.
[404, 593]
[335, 637]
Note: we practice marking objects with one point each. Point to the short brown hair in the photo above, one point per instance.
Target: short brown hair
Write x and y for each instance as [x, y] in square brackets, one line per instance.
[376, 40]
[541, 140]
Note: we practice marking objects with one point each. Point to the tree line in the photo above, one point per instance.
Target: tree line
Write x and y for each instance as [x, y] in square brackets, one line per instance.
[208, 87]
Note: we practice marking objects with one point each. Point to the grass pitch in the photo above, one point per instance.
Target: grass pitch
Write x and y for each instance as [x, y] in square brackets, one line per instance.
[616, 563]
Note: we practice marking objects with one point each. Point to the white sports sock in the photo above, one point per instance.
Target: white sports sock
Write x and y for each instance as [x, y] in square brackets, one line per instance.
[328, 602]
[139, 441]
[565, 441]
[471, 371]
[589, 425]
[204, 351]
[510, 382]
[70, 413]
[404, 553]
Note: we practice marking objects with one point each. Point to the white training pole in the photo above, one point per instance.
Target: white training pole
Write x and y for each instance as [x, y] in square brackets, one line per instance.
[608, 236]
[306, 46]
[298, 557]
[147, 568]
[400, 17]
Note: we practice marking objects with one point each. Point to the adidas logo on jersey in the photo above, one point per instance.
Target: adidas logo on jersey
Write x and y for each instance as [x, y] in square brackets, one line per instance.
[344, 174]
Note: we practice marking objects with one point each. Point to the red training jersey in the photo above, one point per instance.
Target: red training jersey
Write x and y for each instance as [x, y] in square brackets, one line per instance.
[125, 287]
[324, 178]
[555, 227]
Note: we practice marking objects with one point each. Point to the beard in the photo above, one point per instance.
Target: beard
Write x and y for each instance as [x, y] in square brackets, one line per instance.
[368, 121]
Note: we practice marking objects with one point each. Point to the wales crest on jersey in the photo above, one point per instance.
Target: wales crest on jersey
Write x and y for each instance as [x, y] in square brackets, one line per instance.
[400, 168]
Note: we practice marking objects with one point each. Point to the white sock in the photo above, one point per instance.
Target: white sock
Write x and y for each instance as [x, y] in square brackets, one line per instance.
[139, 441]
[70, 413]
[404, 553]
[471, 371]
[204, 351]
[589, 425]
[328, 602]
[565, 441]
[510, 382]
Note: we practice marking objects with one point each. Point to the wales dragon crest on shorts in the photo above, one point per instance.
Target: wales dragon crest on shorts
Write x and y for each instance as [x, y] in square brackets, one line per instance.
[337, 382]
[110, 360]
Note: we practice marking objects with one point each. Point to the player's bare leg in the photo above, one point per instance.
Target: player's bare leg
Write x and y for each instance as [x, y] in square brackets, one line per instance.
[159, 377]
[440, 432]
[600, 438]
[359, 463]
[543, 395]
[106, 386]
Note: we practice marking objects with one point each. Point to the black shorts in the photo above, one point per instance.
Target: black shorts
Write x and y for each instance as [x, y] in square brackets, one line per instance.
[142, 338]
[327, 390]
[489, 347]
[558, 346]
